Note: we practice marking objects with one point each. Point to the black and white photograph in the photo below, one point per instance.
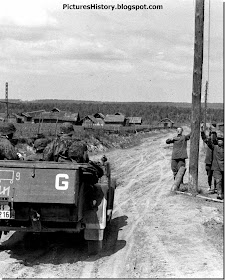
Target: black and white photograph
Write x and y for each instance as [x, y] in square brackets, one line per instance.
[111, 139]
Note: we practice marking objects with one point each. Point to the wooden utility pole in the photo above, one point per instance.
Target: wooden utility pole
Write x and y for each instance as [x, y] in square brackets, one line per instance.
[196, 96]
[205, 109]
[7, 101]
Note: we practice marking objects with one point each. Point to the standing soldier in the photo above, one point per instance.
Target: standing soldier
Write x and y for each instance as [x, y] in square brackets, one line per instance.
[179, 153]
[209, 157]
[7, 150]
[218, 163]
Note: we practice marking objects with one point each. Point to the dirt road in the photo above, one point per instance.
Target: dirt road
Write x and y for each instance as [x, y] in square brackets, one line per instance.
[153, 233]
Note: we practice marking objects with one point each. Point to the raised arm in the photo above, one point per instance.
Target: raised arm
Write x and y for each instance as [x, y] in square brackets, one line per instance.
[169, 141]
[206, 139]
[188, 136]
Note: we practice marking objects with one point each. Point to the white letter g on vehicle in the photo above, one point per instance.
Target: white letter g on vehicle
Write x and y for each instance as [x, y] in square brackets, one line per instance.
[59, 184]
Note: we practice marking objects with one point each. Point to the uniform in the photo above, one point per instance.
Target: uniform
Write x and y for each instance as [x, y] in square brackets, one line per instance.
[65, 148]
[218, 166]
[208, 160]
[39, 146]
[179, 153]
[7, 150]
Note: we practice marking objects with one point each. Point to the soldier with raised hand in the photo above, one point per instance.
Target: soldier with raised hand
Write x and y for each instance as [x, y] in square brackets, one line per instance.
[218, 162]
[179, 154]
[7, 150]
[209, 157]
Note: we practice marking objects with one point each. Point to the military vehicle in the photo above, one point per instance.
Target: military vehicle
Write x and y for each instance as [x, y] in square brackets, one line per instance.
[42, 197]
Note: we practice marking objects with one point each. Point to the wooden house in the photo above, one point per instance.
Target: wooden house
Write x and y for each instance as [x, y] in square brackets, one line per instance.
[115, 120]
[59, 117]
[134, 120]
[90, 121]
[26, 117]
[167, 123]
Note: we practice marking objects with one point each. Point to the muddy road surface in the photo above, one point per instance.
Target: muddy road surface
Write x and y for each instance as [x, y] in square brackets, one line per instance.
[153, 233]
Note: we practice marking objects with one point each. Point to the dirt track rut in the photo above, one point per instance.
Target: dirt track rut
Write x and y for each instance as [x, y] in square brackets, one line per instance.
[152, 234]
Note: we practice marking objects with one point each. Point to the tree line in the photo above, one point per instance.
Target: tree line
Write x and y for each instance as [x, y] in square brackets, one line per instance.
[150, 112]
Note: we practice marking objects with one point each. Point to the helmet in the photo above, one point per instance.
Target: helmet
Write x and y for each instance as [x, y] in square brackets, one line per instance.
[77, 151]
[7, 128]
[40, 144]
[66, 128]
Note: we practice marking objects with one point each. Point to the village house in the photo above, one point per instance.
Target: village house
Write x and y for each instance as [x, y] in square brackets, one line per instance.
[134, 120]
[118, 120]
[89, 121]
[167, 123]
[58, 117]
[26, 117]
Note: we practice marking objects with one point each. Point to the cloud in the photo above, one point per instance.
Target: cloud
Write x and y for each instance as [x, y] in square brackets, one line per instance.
[26, 13]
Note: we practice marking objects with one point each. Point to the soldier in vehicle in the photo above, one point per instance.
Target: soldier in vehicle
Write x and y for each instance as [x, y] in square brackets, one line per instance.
[39, 146]
[209, 157]
[66, 148]
[7, 150]
[179, 154]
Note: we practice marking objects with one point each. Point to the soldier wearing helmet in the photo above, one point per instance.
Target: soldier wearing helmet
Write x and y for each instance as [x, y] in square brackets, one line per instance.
[66, 148]
[39, 146]
[7, 150]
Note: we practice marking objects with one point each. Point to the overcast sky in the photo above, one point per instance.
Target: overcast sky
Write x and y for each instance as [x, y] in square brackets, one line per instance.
[104, 55]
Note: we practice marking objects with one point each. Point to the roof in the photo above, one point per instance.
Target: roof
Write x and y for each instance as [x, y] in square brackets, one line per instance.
[119, 113]
[27, 115]
[99, 115]
[166, 120]
[90, 117]
[62, 115]
[135, 119]
[35, 113]
[114, 118]
[18, 116]
[55, 109]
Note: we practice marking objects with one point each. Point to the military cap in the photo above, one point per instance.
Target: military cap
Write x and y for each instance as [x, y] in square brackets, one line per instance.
[66, 128]
[40, 144]
[220, 136]
[7, 128]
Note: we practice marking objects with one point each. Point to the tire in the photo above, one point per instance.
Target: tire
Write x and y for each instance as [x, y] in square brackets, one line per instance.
[94, 246]
[110, 200]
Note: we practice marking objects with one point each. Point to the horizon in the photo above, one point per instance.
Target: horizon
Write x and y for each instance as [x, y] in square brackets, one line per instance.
[98, 101]
[107, 56]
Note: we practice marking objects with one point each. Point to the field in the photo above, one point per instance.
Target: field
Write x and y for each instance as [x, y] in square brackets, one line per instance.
[29, 130]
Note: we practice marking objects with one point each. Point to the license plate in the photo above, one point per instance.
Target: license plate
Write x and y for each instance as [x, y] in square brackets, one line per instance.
[5, 212]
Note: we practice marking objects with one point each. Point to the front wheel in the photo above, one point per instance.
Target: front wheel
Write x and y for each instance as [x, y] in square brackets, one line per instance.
[110, 200]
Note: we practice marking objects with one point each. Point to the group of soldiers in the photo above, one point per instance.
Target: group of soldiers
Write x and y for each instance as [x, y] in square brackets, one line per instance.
[64, 148]
[214, 161]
